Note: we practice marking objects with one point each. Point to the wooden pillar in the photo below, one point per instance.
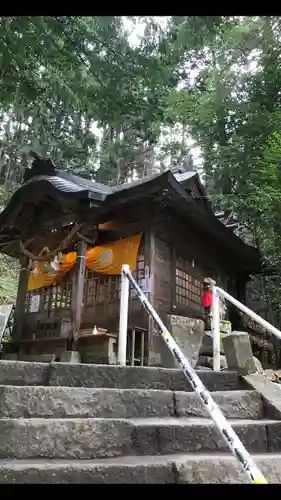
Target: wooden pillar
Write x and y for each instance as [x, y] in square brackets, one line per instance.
[173, 308]
[20, 302]
[152, 330]
[239, 292]
[78, 291]
[241, 283]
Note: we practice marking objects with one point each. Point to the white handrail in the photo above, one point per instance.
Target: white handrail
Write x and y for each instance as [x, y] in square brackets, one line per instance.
[217, 292]
[249, 312]
[123, 320]
[227, 433]
[216, 330]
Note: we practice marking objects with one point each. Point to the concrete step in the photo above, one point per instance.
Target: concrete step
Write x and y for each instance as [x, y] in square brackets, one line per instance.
[75, 402]
[102, 438]
[108, 376]
[166, 469]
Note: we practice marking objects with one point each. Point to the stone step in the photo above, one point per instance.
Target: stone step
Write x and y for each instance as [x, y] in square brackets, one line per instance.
[109, 376]
[165, 469]
[243, 404]
[75, 402]
[102, 438]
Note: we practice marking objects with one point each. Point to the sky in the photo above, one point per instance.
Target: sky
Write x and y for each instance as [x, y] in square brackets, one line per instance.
[136, 34]
[135, 31]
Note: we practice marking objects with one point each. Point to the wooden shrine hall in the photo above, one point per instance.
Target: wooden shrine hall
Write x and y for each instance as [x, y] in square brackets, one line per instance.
[72, 235]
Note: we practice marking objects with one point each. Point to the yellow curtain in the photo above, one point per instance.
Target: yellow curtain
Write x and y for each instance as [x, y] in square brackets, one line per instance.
[105, 259]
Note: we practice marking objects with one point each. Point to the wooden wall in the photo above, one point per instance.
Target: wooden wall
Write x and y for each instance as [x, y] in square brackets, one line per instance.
[50, 303]
[101, 300]
[182, 259]
[172, 262]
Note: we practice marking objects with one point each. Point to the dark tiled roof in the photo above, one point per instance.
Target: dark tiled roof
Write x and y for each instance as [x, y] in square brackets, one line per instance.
[137, 182]
[85, 183]
[68, 186]
[65, 182]
[182, 177]
[57, 182]
[105, 198]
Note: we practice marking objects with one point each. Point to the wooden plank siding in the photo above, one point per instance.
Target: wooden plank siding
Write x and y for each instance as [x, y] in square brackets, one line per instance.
[172, 262]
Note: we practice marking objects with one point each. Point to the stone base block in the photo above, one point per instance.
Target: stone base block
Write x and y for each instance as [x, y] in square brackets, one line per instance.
[238, 352]
[39, 358]
[188, 334]
[11, 356]
[70, 357]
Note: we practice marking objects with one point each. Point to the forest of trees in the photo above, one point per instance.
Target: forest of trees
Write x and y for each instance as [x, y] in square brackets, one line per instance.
[79, 90]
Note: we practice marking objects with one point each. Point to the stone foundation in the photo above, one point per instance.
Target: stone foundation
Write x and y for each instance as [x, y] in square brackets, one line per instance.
[238, 352]
[188, 334]
[100, 348]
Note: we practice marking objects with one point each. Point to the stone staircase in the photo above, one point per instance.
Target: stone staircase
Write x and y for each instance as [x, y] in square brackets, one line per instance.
[79, 423]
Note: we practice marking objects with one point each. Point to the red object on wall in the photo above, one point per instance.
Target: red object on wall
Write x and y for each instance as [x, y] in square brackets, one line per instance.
[207, 298]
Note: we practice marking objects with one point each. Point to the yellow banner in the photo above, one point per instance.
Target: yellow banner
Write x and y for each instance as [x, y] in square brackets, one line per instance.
[105, 259]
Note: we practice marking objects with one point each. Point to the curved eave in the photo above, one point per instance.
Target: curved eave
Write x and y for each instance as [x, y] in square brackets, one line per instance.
[249, 257]
[246, 258]
[38, 187]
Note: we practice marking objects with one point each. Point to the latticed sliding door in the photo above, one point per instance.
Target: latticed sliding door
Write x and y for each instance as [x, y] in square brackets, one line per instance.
[45, 304]
[189, 288]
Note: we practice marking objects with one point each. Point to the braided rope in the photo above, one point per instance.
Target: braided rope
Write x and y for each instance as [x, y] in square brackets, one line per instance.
[45, 255]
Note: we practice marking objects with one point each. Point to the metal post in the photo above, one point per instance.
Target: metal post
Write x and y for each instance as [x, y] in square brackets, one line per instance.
[123, 320]
[216, 330]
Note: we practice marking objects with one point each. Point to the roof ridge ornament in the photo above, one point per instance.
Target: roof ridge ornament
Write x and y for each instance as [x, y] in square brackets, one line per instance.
[186, 165]
[40, 166]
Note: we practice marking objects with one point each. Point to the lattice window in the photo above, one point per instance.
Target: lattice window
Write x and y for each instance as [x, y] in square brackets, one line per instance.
[53, 297]
[96, 289]
[27, 301]
[189, 289]
[101, 288]
[60, 297]
[139, 274]
[45, 297]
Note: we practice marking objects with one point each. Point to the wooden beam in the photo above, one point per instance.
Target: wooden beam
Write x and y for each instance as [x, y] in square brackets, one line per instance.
[152, 331]
[78, 290]
[20, 301]
[107, 236]
[173, 278]
[59, 220]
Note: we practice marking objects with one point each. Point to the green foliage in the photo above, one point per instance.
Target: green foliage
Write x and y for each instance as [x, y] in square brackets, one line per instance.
[62, 77]
[233, 111]
[76, 89]
[9, 270]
